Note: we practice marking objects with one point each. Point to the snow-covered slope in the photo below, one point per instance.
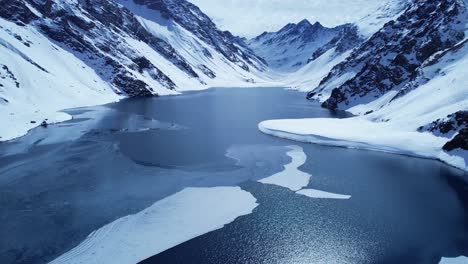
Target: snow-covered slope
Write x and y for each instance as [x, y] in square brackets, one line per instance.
[69, 53]
[292, 47]
[171, 14]
[377, 16]
[303, 54]
[31, 92]
[391, 57]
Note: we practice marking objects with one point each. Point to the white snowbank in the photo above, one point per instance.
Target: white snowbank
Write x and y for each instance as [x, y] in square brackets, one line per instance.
[363, 134]
[312, 193]
[291, 177]
[459, 260]
[167, 223]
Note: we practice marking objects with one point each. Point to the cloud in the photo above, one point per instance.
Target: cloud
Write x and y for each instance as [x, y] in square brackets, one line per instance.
[252, 17]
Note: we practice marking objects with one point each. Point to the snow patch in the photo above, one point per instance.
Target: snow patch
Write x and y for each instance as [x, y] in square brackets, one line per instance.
[294, 179]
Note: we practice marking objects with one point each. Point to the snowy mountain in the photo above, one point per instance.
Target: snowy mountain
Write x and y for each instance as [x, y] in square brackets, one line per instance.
[193, 20]
[391, 58]
[406, 83]
[292, 47]
[348, 37]
[68, 53]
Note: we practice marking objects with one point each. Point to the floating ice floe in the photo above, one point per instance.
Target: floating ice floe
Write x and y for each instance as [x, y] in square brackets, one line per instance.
[291, 177]
[312, 193]
[185, 215]
[295, 180]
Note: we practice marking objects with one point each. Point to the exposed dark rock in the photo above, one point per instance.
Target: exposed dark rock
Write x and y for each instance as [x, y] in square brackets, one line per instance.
[132, 86]
[422, 75]
[7, 74]
[460, 141]
[142, 63]
[449, 125]
[207, 71]
[390, 59]
[347, 38]
[16, 11]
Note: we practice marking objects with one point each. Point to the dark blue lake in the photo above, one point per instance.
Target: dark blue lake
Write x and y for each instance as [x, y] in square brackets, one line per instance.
[60, 183]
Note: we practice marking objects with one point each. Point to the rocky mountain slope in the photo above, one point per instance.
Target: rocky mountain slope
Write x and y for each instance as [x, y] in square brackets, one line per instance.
[67, 53]
[391, 58]
[191, 18]
[292, 47]
[304, 53]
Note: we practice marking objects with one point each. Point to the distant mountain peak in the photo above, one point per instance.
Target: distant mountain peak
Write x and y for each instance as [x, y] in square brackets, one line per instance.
[304, 23]
[292, 46]
[317, 24]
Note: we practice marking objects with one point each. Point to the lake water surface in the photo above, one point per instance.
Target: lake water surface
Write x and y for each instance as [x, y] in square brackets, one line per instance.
[60, 183]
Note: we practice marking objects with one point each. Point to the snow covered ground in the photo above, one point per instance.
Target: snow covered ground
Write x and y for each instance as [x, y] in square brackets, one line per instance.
[167, 223]
[295, 180]
[363, 134]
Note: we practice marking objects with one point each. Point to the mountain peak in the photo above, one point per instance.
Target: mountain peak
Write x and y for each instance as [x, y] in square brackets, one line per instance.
[306, 25]
[304, 22]
[317, 25]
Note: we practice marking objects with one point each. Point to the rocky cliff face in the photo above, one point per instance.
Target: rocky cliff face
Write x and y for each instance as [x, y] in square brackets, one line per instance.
[194, 20]
[454, 126]
[295, 45]
[391, 58]
[101, 33]
[95, 31]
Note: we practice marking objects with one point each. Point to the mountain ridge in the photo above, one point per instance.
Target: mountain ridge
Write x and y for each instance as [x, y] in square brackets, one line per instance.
[293, 46]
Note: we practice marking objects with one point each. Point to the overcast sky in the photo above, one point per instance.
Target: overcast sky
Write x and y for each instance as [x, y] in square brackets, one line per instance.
[253, 17]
